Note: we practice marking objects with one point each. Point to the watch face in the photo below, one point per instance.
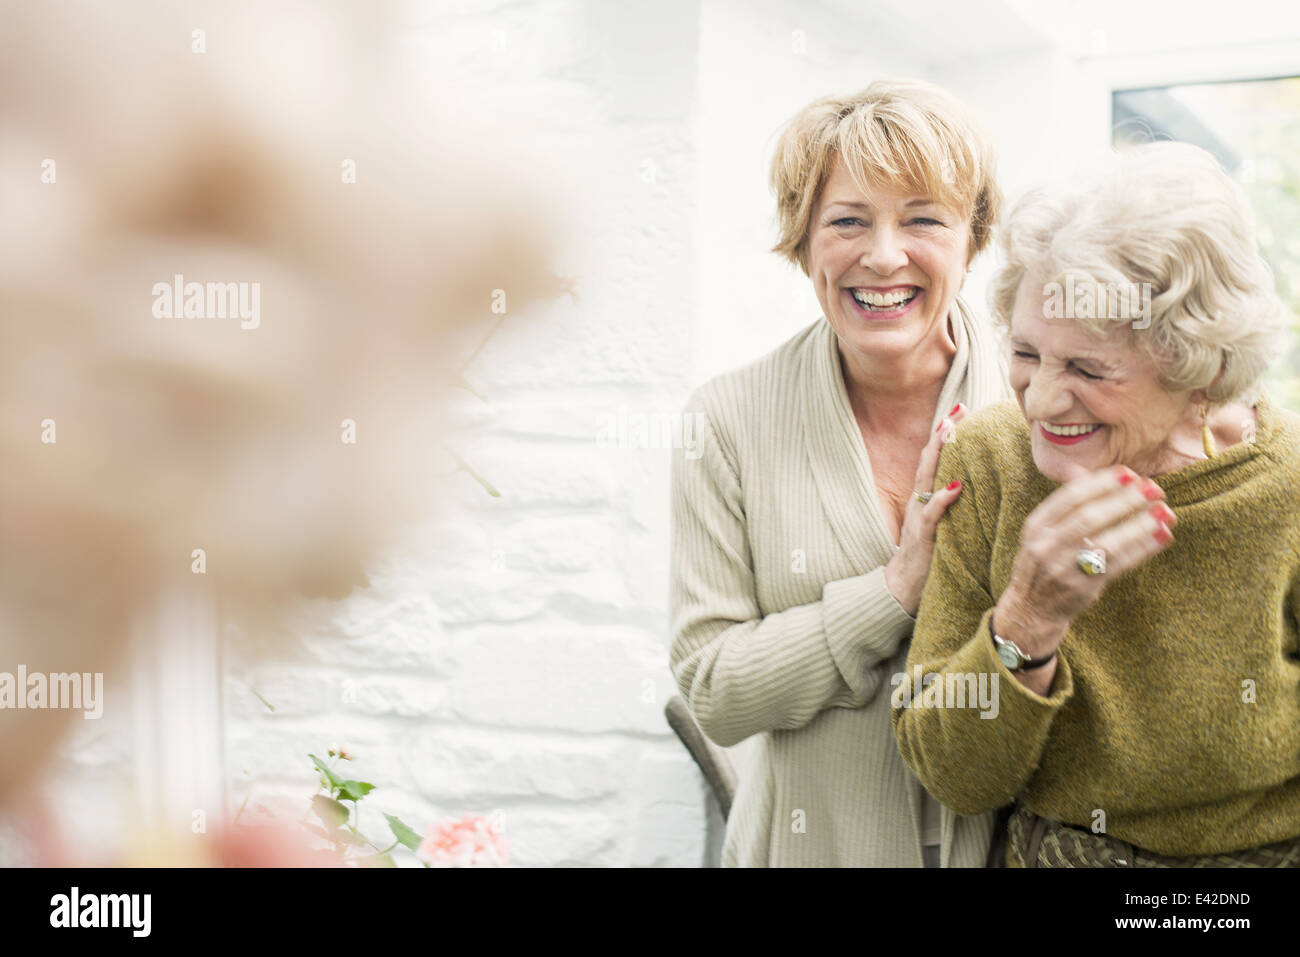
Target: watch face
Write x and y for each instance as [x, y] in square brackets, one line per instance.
[1008, 657]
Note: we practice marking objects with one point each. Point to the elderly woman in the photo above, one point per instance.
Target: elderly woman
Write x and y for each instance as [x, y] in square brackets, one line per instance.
[803, 521]
[1146, 685]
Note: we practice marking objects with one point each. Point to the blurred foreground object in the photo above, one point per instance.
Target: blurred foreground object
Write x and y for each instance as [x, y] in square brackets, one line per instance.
[275, 840]
[471, 841]
[235, 246]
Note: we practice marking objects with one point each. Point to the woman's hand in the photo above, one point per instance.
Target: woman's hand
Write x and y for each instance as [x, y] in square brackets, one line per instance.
[906, 572]
[1113, 511]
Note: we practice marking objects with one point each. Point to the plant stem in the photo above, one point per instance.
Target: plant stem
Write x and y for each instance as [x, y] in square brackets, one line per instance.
[484, 341]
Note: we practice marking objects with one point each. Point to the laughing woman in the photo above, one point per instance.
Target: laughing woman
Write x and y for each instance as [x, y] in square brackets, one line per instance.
[1125, 561]
[803, 528]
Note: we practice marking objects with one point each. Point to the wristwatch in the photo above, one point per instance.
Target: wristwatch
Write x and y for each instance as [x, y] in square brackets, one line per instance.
[1009, 653]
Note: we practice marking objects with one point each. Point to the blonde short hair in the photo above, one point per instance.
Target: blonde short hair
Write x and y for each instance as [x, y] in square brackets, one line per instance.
[1169, 215]
[903, 134]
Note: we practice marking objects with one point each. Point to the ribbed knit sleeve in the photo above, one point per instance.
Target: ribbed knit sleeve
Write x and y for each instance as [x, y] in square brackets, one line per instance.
[740, 671]
[971, 758]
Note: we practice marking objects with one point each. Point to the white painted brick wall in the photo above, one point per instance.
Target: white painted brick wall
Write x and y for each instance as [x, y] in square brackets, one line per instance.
[511, 655]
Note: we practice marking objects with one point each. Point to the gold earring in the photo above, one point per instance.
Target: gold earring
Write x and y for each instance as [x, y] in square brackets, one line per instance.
[1207, 437]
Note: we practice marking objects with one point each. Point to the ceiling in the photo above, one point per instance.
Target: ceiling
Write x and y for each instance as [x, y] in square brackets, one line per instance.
[941, 31]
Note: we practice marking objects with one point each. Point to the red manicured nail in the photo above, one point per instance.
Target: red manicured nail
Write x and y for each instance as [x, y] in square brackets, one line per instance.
[940, 425]
[1161, 513]
[954, 485]
[1125, 476]
[955, 408]
[1163, 535]
[1151, 491]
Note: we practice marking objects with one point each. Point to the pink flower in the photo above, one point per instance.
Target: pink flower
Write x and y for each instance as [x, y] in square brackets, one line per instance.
[473, 841]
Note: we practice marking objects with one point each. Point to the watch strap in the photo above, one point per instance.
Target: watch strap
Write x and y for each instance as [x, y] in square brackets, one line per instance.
[1026, 663]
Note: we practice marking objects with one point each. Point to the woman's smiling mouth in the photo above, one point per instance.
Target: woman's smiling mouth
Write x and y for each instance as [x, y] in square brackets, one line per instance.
[883, 304]
[1068, 434]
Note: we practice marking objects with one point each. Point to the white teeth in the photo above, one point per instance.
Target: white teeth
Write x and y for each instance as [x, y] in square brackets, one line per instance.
[1069, 429]
[866, 297]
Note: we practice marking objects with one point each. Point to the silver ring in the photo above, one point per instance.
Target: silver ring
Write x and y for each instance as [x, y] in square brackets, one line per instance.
[924, 497]
[1091, 561]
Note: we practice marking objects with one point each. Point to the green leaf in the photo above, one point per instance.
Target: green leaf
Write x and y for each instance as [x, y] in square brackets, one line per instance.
[354, 790]
[334, 780]
[403, 833]
[332, 814]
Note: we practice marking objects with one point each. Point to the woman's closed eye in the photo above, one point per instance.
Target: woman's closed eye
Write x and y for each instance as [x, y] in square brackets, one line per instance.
[1031, 357]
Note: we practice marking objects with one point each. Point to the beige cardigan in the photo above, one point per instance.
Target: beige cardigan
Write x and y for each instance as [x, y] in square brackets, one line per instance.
[782, 624]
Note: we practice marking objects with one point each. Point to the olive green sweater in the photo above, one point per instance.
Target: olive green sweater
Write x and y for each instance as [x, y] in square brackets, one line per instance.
[1174, 715]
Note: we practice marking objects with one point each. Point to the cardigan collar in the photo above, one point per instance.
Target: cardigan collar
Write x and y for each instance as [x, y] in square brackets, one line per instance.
[836, 452]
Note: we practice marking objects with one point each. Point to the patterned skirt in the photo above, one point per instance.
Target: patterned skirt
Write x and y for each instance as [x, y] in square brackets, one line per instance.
[1034, 841]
